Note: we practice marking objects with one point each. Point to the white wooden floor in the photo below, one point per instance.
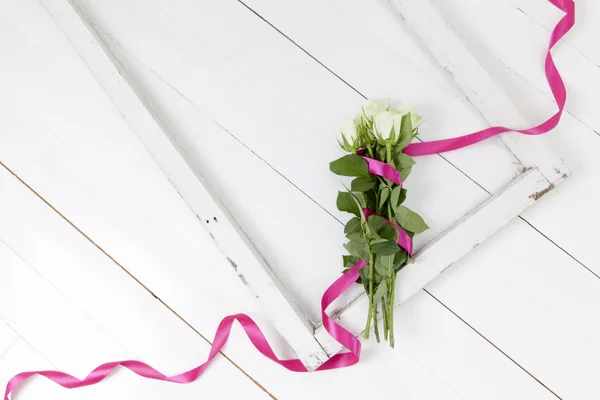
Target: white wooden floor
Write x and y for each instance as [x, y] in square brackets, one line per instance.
[100, 259]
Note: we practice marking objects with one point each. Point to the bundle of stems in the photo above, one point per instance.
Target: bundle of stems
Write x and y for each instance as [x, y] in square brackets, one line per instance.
[381, 134]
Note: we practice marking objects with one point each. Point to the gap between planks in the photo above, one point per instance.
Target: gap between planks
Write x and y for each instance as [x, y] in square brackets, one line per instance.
[365, 97]
[426, 291]
[449, 162]
[491, 343]
[343, 81]
[89, 239]
[206, 339]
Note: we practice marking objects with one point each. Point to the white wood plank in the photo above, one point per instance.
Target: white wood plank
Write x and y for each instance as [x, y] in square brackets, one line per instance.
[78, 309]
[232, 241]
[462, 238]
[433, 340]
[438, 205]
[568, 214]
[7, 338]
[584, 31]
[525, 56]
[404, 70]
[273, 86]
[481, 89]
[142, 226]
[535, 303]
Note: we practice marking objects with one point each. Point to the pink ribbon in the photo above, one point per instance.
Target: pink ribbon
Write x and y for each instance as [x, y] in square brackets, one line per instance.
[341, 360]
[343, 336]
[379, 168]
[554, 80]
[404, 240]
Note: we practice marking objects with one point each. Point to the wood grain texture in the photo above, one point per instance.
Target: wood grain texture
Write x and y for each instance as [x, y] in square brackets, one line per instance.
[77, 309]
[145, 229]
[236, 247]
[255, 73]
[57, 265]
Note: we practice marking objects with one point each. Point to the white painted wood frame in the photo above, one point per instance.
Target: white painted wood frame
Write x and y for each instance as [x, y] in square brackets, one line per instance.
[543, 171]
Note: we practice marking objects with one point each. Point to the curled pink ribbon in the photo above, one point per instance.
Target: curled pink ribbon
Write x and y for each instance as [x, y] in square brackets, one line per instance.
[404, 240]
[341, 360]
[338, 287]
[554, 81]
[387, 171]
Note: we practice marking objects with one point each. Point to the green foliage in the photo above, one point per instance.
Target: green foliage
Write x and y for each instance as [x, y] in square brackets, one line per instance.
[347, 202]
[352, 226]
[350, 165]
[406, 132]
[398, 196]
[374, 239]
[386, 248]
[363, 184]
[410, 220]
[358, 249]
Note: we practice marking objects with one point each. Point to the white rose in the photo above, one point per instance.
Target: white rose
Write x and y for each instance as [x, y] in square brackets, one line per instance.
[349, 140]
[349, 130]
[374, 107]
[415, 119]
[387, 125]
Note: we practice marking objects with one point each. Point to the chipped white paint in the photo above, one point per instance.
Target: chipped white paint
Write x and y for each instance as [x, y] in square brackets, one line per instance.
[544, 171]
[486, 95]
[228, 236]
[438, 255]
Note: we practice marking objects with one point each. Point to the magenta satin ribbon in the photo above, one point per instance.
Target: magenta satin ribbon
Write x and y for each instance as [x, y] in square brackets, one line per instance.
[404, 240]
[340, 360]
[343, 336]
[379, 168]
[554, 80]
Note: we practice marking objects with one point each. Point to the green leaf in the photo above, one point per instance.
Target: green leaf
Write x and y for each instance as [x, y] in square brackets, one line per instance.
[363, 184]
[346, 202]
[384, 265]
[399, 258]
[376, 223]
[364, 277]
[349, 261]
[352, 226]
[386, 248]
[380, 291]
[371, 200]
[350, 165]
[405, 172]
[381, 227]
[406, 133]
[383, 196]
[355, 236]
[410, 220]
[404, 161]
[358, 249]
[398, 196]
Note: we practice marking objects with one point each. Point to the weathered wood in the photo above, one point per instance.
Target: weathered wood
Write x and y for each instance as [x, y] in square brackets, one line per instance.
[228, 236]
[487, 96]
[450, 247]
[287, 316]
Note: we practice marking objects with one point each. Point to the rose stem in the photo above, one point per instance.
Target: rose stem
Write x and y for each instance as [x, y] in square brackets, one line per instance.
[391, 308]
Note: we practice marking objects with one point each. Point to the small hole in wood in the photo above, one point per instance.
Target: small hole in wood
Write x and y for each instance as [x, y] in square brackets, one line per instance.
[215, 219]
[207, 221]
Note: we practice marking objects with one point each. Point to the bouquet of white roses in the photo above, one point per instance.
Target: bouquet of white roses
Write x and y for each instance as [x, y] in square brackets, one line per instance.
[382, 228]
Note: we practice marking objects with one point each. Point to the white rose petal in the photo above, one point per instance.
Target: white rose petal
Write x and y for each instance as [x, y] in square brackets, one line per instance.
[374, 107]
[415, 119]
[384, 124]
[349, 130]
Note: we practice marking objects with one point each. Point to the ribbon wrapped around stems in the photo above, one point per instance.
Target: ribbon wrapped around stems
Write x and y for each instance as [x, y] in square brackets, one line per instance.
[343, 336]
